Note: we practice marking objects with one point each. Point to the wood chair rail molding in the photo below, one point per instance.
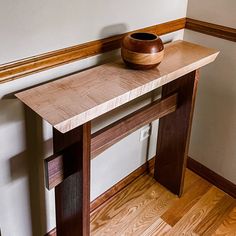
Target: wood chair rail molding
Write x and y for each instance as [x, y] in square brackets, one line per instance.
[215, 30]
[71, 103]
[27, 66]
[17, 69]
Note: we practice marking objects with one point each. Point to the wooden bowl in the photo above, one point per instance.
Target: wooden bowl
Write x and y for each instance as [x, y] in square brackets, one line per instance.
[142, 50]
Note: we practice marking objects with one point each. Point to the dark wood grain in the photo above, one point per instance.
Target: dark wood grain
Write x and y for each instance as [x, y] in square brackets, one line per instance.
[179, 208]
[174, 132]
[17, 69]
[145, 168]
[57, 170]
[142, 51]
[142, 42]
[62, 141]
[113, 133]
[73, 194]
[215, 30]
[212, 177]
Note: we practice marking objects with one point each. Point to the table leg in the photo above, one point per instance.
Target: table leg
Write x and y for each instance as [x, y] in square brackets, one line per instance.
[73, 194]
[174, 133]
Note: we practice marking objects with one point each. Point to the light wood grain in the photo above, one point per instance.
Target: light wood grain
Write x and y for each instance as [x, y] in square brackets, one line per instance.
[208, 211]
[214, 218]
[129, 209]
[55, 169]
[35, 64]
[142, 58]
[149, 213]
[190, 197]
[121, 185]
[159, 227]
[228, 226]
[119, 205]
[199, 211]
[76, 99]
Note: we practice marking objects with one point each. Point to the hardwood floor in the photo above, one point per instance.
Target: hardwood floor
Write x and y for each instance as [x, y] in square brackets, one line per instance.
[148, 209]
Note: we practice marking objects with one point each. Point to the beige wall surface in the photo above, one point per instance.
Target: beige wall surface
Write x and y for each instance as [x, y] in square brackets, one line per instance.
[31, 27]
[213, 139]
[220, 12]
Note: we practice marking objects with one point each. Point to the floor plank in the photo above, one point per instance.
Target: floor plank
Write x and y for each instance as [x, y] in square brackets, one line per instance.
[228, 226]
[159, 227]
[186, 202]
[149, 214]
[126, 205]
[146, 208]
[213, 219]
[193, 217]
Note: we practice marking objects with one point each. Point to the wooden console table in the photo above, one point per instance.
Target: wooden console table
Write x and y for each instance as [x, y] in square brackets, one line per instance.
[69, 105]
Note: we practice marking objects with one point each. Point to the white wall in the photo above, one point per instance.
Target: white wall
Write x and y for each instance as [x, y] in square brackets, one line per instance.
[214, 125]
[33, 27]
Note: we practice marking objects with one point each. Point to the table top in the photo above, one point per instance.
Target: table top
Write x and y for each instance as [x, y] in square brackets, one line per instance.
[76, 99]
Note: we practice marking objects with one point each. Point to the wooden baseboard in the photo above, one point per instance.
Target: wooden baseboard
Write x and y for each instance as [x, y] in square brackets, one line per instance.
[219, 31]
[122, 184]
[193, 165]
[212, 177]
[17, 69]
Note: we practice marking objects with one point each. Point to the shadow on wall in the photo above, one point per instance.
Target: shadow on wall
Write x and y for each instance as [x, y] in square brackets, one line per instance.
[106, 32]
[30, 163]
[35, 154]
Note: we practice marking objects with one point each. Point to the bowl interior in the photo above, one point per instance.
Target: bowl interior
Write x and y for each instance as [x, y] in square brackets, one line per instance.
[143, 36]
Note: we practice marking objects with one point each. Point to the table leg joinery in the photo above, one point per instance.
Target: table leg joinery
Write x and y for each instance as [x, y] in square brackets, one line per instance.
[71, 103]
[68, 170]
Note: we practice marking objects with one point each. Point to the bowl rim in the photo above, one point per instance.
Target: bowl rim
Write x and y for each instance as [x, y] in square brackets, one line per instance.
[154, 36]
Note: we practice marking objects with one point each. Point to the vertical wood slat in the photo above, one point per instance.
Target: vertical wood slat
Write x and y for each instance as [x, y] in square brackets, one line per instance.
[174, 132]
[73, 194]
